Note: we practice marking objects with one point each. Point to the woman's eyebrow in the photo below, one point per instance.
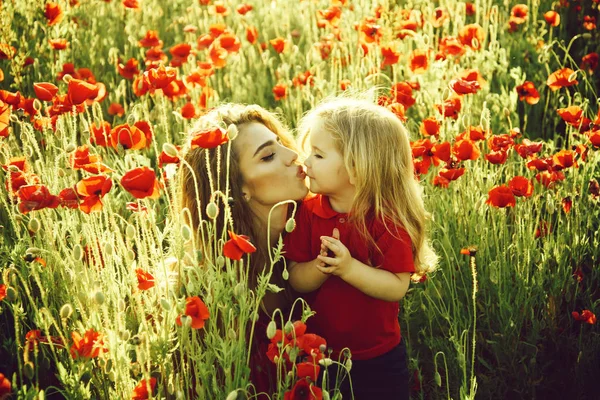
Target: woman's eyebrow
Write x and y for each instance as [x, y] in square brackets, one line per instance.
[262, 146]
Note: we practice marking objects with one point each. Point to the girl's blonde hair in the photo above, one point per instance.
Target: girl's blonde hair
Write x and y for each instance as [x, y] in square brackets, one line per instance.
[376, 149]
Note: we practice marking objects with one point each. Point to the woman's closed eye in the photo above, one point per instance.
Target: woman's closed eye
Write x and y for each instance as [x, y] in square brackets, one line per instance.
[268, 157]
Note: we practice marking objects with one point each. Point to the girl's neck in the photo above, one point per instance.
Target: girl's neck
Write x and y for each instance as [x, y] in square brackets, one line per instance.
[341, 203]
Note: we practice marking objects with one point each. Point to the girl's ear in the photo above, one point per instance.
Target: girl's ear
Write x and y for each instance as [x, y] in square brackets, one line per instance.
[352, 175]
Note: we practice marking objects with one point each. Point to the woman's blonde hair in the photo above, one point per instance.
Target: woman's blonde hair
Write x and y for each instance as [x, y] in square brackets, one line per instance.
[376, 149]
[209, 165]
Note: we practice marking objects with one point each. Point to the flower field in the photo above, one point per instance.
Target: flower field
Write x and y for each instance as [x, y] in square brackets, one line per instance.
[100, 295]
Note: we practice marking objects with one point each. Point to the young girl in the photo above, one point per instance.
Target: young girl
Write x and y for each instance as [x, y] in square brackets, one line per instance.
[358, 241]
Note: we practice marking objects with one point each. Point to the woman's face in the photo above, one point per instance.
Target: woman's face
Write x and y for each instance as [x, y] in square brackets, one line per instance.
[270, 170]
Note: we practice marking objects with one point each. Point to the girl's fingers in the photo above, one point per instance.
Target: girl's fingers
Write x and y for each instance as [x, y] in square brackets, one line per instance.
[325, 270]
[331, 246]
[327, 260]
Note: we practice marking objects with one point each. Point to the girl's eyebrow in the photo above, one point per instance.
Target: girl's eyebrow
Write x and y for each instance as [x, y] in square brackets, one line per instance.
[317, 149]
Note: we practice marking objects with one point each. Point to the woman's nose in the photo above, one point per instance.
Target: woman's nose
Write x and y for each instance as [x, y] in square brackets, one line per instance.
[292, 157]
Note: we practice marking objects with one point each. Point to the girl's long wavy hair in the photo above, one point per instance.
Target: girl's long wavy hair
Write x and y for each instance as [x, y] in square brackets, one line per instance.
[209, 165]
[375, 147]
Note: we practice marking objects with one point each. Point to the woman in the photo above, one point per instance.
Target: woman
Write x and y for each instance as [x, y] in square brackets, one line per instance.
[263, 170]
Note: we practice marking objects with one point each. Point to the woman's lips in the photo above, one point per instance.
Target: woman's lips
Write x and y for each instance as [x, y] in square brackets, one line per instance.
[301, 174]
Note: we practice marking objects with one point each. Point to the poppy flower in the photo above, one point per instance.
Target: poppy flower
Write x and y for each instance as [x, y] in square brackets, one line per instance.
[209, 138]
[230, 42]
[130, 137]
[7, 51]
[19, 162]
[160, 77]
[497, 157]
[302, 79]
[450, 108]
[53, 13]
[164, 158]
[303, 390]
[188, 111]
[472, 35]
[218, 55]
[278, 44]
[501, 196]
[418, 61]
[5, 386]
[398, 110]
[140, 392]
[549, 178]
[196, 310]
[36, 197]
[58, 44]
[136, 207]
[500, 142]
[571, 115]
[552, 18]
[80, 91]
[594, 137]
[564, 159]
[465, 150]
[69, 198]
[589, 22]
[567, 204]
[543, 229]
[100, 134]
[528, 92]
[589, 62]
[461, 86]
[244, 8]
[451, 174]
[92, 189]
[128, 70]
[251, 34]
[237, 246]
[473, 133]
[470, 9]
[586, 316]
[81, 159]
[2, 296]
[131, 4]
[145, 279]
[450, 45]
[401, 92]
[370, 31]
[430, 127]
[440, 16]
[440, 181]
[45, 91]
[116, 109]
[561, 78]
[87, 346]
[390, 55]
[521, 186]
[5, 110]
[280, 91]
[141, 182]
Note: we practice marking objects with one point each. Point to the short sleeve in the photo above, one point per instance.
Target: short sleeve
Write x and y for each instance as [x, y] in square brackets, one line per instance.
[396, 251]
[296, 244]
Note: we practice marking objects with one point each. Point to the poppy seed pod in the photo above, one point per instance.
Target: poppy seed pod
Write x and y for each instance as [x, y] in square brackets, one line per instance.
[212, 210]
[61, 173]
[290, 225]
[238, 290]
[66, 311]
[232, 131]
[170, 150]
[288, 328]
[271, 330]
[109, 249]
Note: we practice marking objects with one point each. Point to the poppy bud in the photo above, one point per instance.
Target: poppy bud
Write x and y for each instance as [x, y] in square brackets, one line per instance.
[290, 225]
[186, 232]
[231, 333]
[238, 290]
[99, 297]
[232, 395]
[212, 210]
[322, 348]
[109, 249]
[13, 168]
[220, 261]
[285, 275]
[67, 78]
[288, 328]
[271, 330]
[13, 118]
[33, 251]
[325, 395]
[186, 321]
[130, 255]
[129, 232]
[348, 364]
[61, 173]
[11, 294]
[170, 150]
[77, 252]
[586, 36]
[70, 148]
[33, 225]
[29, 369]
[438, 379]
[326, 362]
[232, 131]
[66, 311]
[165, 304]
[37, 105]
[572, 77]
[550, 204]
[125, 335]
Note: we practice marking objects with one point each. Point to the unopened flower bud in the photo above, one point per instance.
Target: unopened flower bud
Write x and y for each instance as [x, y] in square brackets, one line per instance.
[232, 395]
[37, 105]
[232, 131]
[288, 328]
[238, 290]
[13, 118]
[70, 148]
[550, 204]
[165, 304]
[285, 274]
[290, 225]
[109, 249]
[186, 232]
[586, 36]
[437, 378]
[99, 297]
[67, 78]
[130, 255]
[77, 252]
[212, 210]
[326, 362]
[232, 334]
[129, 232]
[29, 369]
[572, 77]
[11, 294]
[66, 311]
[348, 364]
[33, 225]
[271, 330]
[220, 261]
[124, 335]
[170, 150]
[186, 321]
[61, 173]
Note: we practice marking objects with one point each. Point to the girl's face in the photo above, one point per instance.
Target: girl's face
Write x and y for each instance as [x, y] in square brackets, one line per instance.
[325, 165]
[270, 170]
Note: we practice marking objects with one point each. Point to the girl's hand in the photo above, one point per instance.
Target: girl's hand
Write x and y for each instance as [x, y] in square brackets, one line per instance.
[339, 260]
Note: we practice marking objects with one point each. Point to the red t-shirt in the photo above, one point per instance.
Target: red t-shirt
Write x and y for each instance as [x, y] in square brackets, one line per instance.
[345, 316]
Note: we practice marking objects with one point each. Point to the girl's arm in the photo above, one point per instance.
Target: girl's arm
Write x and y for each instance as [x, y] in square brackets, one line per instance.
[305, 277]
[374, 282]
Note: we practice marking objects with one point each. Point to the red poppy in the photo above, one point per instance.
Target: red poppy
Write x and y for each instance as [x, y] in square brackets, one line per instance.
[58, 44]
[473, 133]
[471, 35]
[196, 310]
[69, 198]
[589, 62]
[461, 86]
[244, 8]
[237, 246]
[251, 34]
[548, 178]
[527, 148]
[188, 111]
[129, 70]
[450, 45]
[5, 386]
[564, 159]
[451, 174]
[540, 164]
[501, 196]
[140, 392]
[92, 189]
[136, 207]
[53, 13]
[132, 4]
[88, 346]
[544, 229]
[418, 61]
[528, 92]
[465, 150]
[100, 134]
[390, 55]
[552, 18]
[586, 316]
[497, 157]
[218, 55]
[145, 279]
[278, 44]
[401, 92]
[561, 78]
[280, 91]
[81, 159]
[500, 142]
[141, 182]
[19, 162]
[594, 188]
[308, 369]
[2, 296]
[45, 91]
[230, 42]
[398, 110]
[430, 127]
[594, 137]
[80, 91]
[164, 158]
[36, 197]
[303, 78]
[370, 30]
[521, 186]
[589, 22]
[450, 108]
[4, 118]
[116, 109]
[303, 390]
[209, 138]
[129, 137]
[567, 203]
[160, 77]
